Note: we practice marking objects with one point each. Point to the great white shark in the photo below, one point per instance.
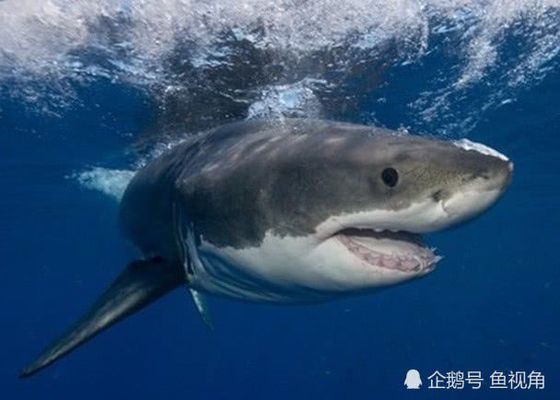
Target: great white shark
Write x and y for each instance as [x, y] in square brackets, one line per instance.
[289, 211]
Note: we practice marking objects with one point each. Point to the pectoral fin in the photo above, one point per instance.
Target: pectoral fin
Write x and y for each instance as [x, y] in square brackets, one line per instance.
[141, 283]
[202, 307]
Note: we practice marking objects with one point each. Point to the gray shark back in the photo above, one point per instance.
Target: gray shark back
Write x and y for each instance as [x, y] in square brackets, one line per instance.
[230, 176]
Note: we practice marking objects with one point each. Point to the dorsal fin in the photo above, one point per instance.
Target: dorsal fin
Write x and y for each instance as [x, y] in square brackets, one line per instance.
[141, 283]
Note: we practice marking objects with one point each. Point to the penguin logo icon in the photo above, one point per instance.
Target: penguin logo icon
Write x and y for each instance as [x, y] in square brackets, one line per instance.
[413, 380]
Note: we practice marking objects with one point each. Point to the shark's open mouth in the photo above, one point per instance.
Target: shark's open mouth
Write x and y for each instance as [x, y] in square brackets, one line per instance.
[402, 251]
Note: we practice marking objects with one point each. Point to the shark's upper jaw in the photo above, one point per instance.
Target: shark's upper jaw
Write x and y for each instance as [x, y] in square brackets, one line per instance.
[397, 251]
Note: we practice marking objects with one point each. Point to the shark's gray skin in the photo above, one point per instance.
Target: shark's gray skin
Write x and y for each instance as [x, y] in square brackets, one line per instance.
[289, 211]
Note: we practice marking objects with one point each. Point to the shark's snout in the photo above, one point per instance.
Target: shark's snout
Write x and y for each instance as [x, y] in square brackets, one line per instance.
[484, 186]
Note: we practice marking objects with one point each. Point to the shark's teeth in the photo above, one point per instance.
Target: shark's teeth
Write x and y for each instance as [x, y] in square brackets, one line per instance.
[415, 259]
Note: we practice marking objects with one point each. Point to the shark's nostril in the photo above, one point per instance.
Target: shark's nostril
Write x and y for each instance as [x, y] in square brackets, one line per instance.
[439, 195]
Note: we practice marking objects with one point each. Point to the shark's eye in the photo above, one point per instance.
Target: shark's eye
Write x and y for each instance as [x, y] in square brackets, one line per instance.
[390, 176]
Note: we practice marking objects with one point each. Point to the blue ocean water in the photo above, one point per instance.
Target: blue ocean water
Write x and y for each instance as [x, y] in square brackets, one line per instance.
[491, 305]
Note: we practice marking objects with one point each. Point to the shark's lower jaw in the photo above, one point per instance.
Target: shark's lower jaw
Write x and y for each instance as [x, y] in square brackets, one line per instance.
[398, 251]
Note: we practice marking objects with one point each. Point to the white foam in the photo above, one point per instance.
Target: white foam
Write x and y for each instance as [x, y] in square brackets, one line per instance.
[61, 41]
[41, 35]
[295, 100]
[111, 182]
[481, 148]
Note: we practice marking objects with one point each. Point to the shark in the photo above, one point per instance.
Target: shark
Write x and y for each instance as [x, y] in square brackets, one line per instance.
[289, 211]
